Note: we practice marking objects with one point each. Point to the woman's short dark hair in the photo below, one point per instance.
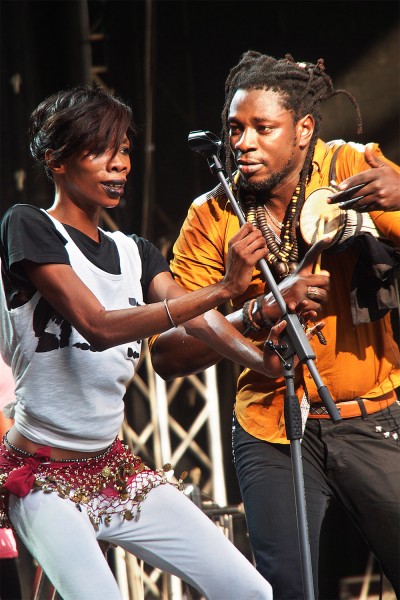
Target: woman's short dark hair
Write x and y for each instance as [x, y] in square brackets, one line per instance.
[82, 119]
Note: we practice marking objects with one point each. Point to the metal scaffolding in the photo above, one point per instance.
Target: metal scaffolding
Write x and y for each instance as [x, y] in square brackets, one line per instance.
[165, 438]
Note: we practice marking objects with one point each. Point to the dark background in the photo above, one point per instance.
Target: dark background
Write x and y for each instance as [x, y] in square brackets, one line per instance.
[44, 47]
[169, 60]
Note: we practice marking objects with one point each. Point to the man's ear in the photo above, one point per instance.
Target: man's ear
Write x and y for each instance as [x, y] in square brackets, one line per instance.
[305, 130]
[54, 165]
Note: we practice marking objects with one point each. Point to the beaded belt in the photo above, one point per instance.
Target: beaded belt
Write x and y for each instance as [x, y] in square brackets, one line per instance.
[355, 408]
[114, 482]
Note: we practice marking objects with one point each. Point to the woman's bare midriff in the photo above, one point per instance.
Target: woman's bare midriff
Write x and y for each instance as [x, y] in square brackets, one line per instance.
[20, 441]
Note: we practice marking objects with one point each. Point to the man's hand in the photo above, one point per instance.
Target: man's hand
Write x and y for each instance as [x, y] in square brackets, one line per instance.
[245, 249]
[381, 186]
[272, 361]
[303, 291]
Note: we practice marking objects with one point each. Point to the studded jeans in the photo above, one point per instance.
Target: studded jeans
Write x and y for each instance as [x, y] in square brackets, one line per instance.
[357, 461]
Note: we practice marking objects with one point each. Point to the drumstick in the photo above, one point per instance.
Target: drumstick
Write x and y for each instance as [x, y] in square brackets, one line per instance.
[320, 234]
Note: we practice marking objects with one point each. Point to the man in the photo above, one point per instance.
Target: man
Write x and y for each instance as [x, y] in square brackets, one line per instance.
[271, 123]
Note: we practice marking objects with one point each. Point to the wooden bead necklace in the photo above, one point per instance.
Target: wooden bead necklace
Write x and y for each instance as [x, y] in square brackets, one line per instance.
[283, 252]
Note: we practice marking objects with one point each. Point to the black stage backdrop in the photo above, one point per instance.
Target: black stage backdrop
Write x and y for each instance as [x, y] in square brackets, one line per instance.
[169, 60]
[173, 65]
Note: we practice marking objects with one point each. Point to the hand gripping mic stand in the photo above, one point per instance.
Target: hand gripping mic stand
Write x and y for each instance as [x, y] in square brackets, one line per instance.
[207, 144]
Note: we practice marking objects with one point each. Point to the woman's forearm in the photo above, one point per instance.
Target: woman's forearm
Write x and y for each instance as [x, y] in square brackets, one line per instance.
[201, 343]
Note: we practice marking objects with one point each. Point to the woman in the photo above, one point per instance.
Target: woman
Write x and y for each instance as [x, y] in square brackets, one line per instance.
[76, 303]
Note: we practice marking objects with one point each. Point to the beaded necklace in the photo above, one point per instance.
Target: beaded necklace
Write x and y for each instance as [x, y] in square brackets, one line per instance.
[282, 252]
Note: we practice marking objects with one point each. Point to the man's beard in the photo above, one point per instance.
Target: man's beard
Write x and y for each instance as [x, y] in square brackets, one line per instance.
[266, 185]
[269, 183]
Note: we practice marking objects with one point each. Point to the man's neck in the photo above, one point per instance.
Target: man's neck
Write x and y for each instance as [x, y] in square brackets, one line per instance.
[277, 199]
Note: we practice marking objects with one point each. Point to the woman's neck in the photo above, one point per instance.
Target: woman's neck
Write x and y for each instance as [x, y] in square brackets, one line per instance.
[78, 218]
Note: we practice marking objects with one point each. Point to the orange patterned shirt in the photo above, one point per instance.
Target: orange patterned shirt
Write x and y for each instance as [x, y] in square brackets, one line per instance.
[357, 361]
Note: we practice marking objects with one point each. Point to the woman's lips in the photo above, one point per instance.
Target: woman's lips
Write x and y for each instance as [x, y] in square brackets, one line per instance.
[113, 190]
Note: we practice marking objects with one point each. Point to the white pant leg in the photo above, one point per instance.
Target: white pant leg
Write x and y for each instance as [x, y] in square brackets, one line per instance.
[175, 536]
[64, 543]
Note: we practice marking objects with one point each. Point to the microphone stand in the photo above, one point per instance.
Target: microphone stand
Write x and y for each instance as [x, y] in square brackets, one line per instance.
[207, 144]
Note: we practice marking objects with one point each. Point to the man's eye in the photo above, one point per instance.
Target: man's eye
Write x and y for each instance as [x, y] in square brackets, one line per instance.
[233, 130]
[263, 129]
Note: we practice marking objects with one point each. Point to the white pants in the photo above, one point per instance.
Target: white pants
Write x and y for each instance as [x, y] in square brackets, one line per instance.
[171, 534]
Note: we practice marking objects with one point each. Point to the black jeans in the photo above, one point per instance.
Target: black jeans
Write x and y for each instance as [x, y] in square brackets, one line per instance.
[356, 460]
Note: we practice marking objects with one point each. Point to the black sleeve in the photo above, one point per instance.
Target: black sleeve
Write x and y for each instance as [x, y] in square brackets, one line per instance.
[153, 262]
[27, 233]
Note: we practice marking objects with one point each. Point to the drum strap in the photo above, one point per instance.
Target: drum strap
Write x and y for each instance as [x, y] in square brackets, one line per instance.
[332, 168]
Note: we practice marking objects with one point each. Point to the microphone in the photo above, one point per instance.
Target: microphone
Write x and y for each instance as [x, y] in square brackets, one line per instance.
[204, 142]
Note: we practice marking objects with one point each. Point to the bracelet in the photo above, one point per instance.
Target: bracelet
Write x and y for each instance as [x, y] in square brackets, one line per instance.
[263, 321]
[247, 316]
[169, 314]
[250, 309]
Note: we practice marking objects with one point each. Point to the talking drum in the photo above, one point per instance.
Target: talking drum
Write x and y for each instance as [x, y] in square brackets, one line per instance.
[319, 220]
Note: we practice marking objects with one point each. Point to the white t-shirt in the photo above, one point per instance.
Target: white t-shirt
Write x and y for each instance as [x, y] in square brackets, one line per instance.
[67, 394]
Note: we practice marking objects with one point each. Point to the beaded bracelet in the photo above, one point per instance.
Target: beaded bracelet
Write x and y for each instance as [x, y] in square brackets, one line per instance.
[263, 320]
[250, 309]
[169, 314]
[247, 315]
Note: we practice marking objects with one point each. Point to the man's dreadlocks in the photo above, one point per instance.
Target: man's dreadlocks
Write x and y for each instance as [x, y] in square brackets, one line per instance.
[302, 86]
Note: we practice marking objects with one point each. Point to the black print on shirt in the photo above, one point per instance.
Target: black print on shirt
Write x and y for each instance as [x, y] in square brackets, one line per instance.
[132, 353]
[51, 329]
[54, 332]
[84, 346]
